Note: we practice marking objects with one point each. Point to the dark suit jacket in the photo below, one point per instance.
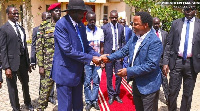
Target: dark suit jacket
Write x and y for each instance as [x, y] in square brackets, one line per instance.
[172, 47]
[108, 37]
[69, 60]
[128, 33]
[164, 35]
[1, 79]
[33, 46]
[10, 48]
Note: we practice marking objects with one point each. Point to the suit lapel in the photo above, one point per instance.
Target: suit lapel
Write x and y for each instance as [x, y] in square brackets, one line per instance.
[196, 29]
[179, 28]
[132, 47]
[9, 26]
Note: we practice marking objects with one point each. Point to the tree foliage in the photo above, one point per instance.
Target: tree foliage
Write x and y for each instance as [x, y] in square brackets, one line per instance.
[166, 13]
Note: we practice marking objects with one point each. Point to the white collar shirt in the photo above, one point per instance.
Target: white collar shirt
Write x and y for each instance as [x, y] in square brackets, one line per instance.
[159, 32]
[183, 33]
[137, 45]
[113, 33]
[20, 30]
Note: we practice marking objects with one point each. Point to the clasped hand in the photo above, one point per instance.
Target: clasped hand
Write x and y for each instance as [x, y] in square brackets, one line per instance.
[99, 60]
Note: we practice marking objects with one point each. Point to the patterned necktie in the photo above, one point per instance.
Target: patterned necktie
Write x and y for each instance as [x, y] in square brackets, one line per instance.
[157, 33]
[18, 33]
[186, 40]
[79, 35]
[116, 45]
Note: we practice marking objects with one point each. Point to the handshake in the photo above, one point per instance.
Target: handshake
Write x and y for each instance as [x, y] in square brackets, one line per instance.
[102, 59]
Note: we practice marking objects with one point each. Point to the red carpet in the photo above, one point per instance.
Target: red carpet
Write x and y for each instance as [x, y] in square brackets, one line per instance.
[125, 95]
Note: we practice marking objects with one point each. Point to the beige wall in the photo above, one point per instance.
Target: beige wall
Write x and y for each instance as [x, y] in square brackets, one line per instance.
[37, 12]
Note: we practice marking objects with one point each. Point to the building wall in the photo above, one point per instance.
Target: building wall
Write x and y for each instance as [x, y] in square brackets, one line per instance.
[38, 7]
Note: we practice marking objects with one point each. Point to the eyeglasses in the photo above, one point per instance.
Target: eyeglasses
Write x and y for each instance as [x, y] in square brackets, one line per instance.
[14, 13]
[190, 9]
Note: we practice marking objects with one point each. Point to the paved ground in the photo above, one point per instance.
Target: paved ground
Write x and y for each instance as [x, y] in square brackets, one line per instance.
[34, 89]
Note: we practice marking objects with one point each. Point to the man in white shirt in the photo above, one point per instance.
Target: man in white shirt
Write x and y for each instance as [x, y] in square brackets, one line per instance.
[182, 57]
[95, 37]
[15, 58]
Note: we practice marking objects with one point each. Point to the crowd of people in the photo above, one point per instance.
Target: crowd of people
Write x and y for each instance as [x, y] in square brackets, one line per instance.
[142, 53]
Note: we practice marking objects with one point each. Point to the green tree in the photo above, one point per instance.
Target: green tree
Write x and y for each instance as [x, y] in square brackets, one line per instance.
[166, 13]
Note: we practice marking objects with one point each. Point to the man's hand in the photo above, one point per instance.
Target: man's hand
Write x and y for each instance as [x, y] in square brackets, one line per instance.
[122, 72]
[104, 58]
[96, 60]
[33, 66]
[30, 69]
[41, 71]
[0, 85]
[165, 69]
[8, 73]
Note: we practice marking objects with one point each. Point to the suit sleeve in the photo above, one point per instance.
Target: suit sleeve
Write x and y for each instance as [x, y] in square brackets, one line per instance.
[63, 39]
[4, 54]
[33, 46]
[40, 47]
[167, 49]
[121, 53]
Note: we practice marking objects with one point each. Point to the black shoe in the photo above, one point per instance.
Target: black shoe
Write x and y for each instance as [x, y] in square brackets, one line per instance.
[52, 100]
[96, 106]
[118, 99]
[29, 107]
[88, 107]
[110, 101]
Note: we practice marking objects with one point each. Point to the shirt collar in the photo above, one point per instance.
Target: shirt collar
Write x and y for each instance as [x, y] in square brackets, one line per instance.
[12, 23]
[90, 29]
[113, 25]
[73, 22]
[155, 30]
[191, 20]
[142, 37]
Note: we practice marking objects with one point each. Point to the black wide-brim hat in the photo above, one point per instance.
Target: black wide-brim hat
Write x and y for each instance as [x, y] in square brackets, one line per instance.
[76, 5]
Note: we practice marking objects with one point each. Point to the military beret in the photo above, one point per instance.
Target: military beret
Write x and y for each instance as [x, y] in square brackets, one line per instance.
[53, 6]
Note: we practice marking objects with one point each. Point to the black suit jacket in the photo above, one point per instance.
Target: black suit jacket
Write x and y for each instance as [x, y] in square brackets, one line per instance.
[1, 79]
[10, 48]
[172, 47]
[108, 37]
[33, 46]
[164, 35]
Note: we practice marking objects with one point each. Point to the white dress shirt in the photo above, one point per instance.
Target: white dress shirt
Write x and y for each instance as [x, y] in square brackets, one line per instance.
[137, 45]
[113, 33]
[20, 30]
[159, 32]
[191, 30]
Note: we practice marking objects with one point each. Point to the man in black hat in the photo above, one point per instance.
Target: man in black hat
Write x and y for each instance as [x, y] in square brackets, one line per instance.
[72, 52]
[182, 57]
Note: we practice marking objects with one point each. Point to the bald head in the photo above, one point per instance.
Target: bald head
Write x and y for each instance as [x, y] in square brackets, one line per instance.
[45, 16]
[156, 23]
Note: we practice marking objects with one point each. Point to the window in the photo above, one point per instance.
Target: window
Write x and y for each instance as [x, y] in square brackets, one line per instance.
[105, 12]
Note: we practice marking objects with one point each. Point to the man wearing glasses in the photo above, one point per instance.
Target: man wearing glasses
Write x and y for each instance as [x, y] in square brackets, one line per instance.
[15, 59]
[182, 57]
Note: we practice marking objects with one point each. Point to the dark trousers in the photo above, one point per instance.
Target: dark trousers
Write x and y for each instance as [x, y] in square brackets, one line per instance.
[144, 102]
[109, 73]
[182, 70]
[70, 98]
[22, 75]
[165, 87]
[1, 78]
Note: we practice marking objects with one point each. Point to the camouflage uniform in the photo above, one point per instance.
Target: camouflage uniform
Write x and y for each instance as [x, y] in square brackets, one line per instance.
[44, 55]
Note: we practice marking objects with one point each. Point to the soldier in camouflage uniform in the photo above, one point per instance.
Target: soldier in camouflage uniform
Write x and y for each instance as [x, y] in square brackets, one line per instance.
[44, 54]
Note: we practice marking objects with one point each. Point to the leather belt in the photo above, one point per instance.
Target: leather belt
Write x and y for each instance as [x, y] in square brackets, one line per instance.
[113, 51]
[182, 57]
